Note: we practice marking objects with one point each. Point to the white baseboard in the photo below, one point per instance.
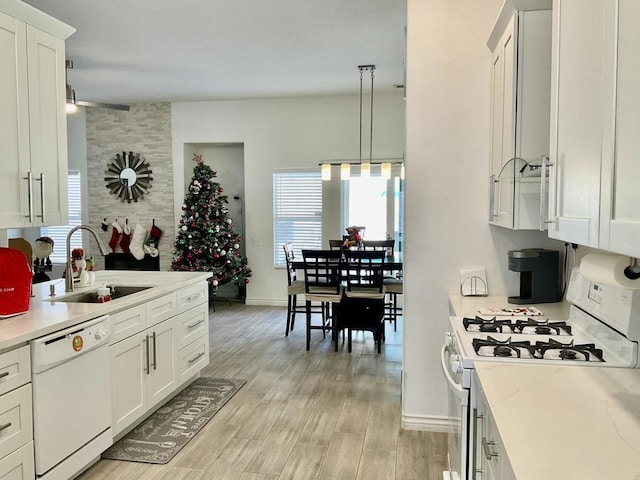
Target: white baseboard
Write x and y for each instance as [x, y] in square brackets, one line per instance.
[266, 302]
[428, 423]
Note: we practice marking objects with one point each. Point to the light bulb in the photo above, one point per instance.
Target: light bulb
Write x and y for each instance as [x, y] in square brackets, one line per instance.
[385, 170]
[345, 171]
[326, 171]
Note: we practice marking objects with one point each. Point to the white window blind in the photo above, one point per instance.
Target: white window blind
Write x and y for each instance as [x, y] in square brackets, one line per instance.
[297, 212]
[59, 234]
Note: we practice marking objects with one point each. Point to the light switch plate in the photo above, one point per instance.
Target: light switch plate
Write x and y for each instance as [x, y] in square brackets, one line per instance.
[473, 282]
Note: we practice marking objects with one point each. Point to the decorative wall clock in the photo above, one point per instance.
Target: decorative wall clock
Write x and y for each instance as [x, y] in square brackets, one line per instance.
[128, 176]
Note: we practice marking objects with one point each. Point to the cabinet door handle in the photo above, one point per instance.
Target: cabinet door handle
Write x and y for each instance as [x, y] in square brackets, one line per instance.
[196, 357]
[476, 417]
[195, 324]
[148, 369]
[544, 162]
[191, 298]
[5, 426]
[486, 446]
[4, 374]
[492, 197]
[154, 351]
[42, 196]
[29, 179]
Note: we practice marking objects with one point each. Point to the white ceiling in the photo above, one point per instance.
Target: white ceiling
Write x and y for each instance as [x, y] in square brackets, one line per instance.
[132, 51]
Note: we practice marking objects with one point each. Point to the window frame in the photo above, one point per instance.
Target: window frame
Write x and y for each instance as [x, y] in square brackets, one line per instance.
[59, 233]
[310, 234]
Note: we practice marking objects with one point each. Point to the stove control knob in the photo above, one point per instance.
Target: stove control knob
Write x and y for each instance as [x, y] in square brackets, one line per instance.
[456, 366]
[448, 339]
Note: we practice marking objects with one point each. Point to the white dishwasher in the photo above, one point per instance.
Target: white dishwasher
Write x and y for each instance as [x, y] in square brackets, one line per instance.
[71, 399]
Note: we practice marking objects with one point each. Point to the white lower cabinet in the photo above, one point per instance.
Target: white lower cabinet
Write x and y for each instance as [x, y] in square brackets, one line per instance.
[156, 348]
[19, 464]
[16, 415]
[490, 461]
[142, 373]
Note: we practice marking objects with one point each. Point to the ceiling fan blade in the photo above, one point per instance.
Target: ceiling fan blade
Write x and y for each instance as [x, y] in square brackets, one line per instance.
[113, 106]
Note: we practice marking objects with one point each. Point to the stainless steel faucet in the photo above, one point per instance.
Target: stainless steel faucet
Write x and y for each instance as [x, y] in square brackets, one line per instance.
[68, 275]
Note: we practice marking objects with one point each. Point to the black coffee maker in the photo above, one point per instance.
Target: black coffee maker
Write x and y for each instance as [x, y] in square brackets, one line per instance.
[539, 275]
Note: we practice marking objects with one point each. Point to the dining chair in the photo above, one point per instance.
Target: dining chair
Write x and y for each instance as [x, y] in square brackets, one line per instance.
[335, 244]
[392, 282]
[322, 282]
[295, 287]
[362, 307]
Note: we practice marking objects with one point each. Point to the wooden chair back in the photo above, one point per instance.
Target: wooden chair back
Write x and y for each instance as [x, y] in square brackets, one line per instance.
[289, 256]
[322, 271]
[384, 245]
[335, 244]
[364, 271]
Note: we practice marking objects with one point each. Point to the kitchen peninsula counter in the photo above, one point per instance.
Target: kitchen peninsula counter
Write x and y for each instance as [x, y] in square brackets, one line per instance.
[46, 316]
[557, 422]
[460, 306]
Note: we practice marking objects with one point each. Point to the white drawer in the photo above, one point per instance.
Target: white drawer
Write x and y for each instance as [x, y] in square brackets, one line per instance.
[193, 358]
[127, 323]
[189, 297]
[161, 308]
[15, 368]
[16, 427]
[18, 465]
[192, 324]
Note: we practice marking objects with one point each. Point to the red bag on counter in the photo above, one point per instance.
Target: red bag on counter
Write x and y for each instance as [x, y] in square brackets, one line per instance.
[15, 282]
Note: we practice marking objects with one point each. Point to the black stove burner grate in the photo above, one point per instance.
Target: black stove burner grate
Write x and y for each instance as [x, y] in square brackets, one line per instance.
[568, 351]
[528, 326]
[491, 347]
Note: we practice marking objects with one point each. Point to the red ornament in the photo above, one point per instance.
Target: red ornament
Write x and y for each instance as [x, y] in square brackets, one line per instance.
[221, 189]
[246, 280]
[215, 255]
[193, 225]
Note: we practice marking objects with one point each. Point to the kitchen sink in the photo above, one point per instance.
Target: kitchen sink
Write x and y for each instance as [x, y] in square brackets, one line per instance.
[117, 291]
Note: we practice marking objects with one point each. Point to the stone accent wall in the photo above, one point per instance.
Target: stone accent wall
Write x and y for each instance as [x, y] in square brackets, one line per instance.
[145, 129]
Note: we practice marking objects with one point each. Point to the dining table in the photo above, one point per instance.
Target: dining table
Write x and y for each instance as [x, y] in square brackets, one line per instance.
[392, 263]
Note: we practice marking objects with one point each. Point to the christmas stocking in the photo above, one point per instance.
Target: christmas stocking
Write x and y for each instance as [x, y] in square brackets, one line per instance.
[115, 233]
[151, 244]
[137, 242]
[126, 237]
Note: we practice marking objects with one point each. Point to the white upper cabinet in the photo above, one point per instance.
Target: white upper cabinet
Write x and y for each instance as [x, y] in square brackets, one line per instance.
[620, 221]
[520, 45]
[33, 138]
[595, 112]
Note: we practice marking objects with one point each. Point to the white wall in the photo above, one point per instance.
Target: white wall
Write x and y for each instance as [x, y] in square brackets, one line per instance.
[447, 174]
[280, 134]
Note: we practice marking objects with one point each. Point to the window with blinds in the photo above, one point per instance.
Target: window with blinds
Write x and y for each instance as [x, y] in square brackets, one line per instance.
[297, 212]
[59, 234]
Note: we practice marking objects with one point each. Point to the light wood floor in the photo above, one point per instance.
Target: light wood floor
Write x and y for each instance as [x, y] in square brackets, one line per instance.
[301, 415]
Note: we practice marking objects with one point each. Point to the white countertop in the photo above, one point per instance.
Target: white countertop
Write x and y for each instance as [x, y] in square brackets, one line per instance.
[45, 316]
[460, 306]
[557, 422]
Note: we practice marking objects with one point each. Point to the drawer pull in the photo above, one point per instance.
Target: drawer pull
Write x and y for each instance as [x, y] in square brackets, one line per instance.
[201, 354]
[196, 324]
[5, 426]
[4, 374]
[191, 298]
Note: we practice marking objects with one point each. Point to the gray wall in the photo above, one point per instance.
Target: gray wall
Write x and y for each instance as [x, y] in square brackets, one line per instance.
[145, 129]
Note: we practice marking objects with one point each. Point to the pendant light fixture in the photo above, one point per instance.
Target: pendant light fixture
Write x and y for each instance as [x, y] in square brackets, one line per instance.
[364, 165]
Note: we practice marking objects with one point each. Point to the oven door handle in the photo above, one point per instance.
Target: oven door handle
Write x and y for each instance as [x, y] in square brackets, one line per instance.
[444, 363]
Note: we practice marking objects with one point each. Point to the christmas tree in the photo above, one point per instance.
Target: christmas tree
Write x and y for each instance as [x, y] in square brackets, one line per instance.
[206, 239]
